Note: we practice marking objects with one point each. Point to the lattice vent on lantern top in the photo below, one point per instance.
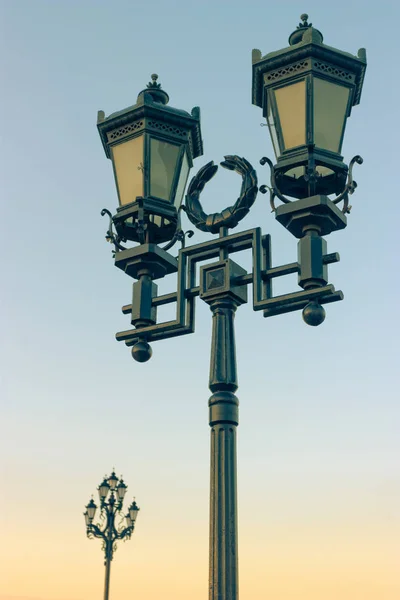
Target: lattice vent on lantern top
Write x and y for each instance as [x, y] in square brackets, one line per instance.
[124, 130]
[169, 128]
[331, 70]
[285, 72]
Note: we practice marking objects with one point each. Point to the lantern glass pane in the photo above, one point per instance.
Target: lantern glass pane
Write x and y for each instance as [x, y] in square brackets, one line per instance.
[296, 172]
[91, 509]
[112, 481]
[323, 171]
[330, 112]
[159, 221]
[291, 104]
[272, 131]
[103, 490]
[133, 512]
[183, 177]
[128, 167]
[121, 490]
[163, 157]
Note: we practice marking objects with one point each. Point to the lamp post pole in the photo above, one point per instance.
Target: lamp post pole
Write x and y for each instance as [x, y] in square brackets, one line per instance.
[306, 92]
[115, 490]
[224, 419]
[108, 555]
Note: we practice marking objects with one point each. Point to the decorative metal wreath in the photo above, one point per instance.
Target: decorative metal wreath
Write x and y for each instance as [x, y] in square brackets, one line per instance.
[231, 216]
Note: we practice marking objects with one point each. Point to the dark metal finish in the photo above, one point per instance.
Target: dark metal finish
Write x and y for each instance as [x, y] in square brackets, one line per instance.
[220, 278]
[108, 530]
[222, 283]
[310, 251]
[317, 212]
[218, 289]
[146, 256]
[230, 217]
[261, 281]
[151, 113]
[275, 192]
[223, 418]
[313, 314]
[143, 292]
[151, 118]
[305, 60]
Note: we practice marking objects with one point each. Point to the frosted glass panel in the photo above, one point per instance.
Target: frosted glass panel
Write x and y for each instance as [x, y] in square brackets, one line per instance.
[296, 172]
[163, 157]
[330, 111]
[182, 181]
[324, 171]
[128, 165]
[291, 102]
[272, 131]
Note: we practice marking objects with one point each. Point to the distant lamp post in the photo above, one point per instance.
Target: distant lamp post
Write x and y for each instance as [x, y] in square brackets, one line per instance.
[306, 92]
[107, 529]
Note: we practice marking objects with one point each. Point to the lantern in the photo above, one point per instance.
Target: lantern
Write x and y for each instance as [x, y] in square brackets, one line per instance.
[306, 92]
[152, 147]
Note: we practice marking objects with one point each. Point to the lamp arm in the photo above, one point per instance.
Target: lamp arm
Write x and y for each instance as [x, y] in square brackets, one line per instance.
[127, 531]
[95, 531]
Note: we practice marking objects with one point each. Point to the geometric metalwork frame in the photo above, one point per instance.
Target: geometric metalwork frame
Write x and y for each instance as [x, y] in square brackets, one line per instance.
[260, 279]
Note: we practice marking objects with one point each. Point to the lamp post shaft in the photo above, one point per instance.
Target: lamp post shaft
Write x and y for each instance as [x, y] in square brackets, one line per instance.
[107, 578]
[223, 405]
[108, 553]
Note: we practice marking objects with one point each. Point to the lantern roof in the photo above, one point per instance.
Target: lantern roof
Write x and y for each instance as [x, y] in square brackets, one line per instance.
[307, 42]
[153, 102]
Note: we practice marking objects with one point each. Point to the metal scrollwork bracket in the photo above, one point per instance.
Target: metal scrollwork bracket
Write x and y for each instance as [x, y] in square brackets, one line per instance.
[349, 189]
[111, 235]
[180, 235]
[350, 185]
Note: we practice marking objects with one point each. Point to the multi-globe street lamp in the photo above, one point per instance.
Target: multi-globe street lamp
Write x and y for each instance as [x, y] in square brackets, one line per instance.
[306, 92]
[111, 495]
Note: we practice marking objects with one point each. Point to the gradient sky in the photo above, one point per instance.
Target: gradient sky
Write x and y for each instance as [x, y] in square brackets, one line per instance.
[318, 442]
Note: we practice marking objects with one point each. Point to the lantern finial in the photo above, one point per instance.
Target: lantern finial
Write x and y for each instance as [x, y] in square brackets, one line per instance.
[305, 32]
[153, 83]
[154, 90]
[304, 18]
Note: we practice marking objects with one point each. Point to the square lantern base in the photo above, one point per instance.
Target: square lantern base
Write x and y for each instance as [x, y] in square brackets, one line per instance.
[315, 212]
[146, 256]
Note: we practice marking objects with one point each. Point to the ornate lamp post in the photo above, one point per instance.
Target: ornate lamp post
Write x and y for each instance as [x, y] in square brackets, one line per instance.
[306, 92]
[107, 529]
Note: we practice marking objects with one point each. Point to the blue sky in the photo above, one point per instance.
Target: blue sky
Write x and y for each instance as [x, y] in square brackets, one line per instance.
[319, 417]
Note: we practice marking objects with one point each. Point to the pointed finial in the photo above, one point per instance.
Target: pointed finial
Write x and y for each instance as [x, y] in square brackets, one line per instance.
[153, 83]
[153, 90]
[305, 32]
[304, 18]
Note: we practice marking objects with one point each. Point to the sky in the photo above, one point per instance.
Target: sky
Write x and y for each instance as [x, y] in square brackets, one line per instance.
[318, 440]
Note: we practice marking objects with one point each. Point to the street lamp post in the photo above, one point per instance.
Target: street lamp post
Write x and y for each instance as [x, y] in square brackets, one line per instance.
[107, 529]
[306, 92]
